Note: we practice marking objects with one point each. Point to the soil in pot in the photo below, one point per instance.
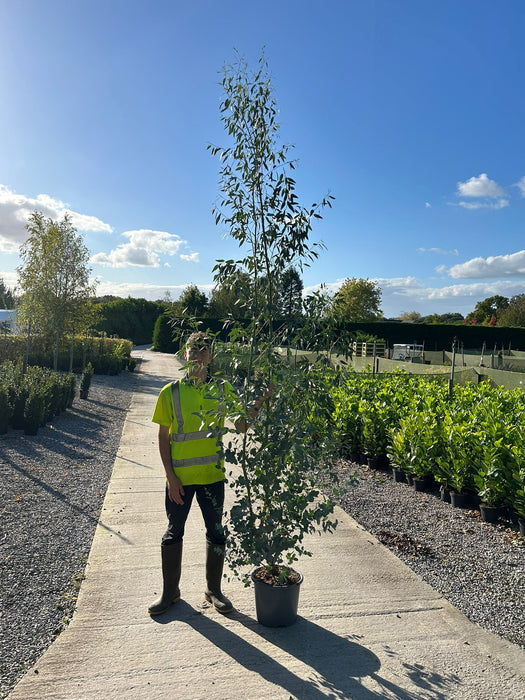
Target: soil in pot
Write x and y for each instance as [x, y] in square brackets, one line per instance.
[276, 603]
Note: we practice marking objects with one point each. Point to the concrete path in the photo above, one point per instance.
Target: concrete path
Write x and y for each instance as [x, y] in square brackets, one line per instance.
[368, 626]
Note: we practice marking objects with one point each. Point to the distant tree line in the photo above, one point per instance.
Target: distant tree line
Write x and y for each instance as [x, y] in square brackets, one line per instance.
[56, 297]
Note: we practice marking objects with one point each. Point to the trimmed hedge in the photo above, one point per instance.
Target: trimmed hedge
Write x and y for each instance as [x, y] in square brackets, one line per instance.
[107, 355]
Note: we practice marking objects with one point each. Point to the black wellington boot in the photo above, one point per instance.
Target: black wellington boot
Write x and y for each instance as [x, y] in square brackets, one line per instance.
[214, 567]
[171, 566]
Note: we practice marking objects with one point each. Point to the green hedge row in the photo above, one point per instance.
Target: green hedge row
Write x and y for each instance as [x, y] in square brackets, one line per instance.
[107, 355]
[130, 318]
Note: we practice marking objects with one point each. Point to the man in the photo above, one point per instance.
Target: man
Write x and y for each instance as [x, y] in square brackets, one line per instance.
[188, 414]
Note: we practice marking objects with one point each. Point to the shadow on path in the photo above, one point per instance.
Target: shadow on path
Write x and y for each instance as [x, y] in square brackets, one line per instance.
[340, 664]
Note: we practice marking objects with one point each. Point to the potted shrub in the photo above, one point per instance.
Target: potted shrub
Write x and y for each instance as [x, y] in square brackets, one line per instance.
[85, 381]
[500, 437]
[281, 459]
[6, 410]
[34, 411]
[349, 424]
[462, 447]
[373, 416]
[493, 479]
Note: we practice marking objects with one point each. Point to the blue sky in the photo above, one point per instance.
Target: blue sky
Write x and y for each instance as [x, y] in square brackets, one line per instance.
[411, 113]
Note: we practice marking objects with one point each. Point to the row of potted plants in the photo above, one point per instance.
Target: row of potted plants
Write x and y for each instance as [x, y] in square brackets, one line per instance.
[28, 401]
[469, 440]
[107, 355]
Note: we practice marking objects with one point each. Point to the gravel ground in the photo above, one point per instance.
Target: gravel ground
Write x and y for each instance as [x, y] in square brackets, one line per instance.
[479, 567]
[51, 491]
[52, 486]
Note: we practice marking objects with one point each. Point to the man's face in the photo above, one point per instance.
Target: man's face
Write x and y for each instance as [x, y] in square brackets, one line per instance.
[198, 355]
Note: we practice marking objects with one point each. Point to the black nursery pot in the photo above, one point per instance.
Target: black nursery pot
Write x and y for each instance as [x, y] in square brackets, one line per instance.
[458, 500]
[276, 606]
[489, 514]
[444, 494]
[420, 484]
[398, 474]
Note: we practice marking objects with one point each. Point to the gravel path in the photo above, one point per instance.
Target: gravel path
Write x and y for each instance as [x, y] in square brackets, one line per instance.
[479, 567]
[52, 486]
[51, 491]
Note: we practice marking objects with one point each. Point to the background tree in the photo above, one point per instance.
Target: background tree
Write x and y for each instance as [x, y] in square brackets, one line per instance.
[7, 297]
[358, 300]
[410, 317]
[130, 318]
[514, 314]
[231, 299]
[290, 298]
[54, 278]
[491, 306]
[192, 302]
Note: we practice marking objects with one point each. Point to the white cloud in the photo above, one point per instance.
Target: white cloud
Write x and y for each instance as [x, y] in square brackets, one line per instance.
[16, 208]
[428, 205]
[521, 185]
[193, 257]
[400, 293]
[144, 290]
[480, 186]
[500, 204]
[512, 265]
[10, 279]
[439, 251]
[142, 250]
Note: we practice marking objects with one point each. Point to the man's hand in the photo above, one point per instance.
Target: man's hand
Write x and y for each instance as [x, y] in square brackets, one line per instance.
[175, 490]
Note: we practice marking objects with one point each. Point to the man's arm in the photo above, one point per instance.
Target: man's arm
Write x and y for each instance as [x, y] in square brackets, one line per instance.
[175, 488]
[254, 411]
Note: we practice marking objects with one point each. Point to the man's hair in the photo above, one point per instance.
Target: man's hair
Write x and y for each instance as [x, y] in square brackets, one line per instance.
[198, 339]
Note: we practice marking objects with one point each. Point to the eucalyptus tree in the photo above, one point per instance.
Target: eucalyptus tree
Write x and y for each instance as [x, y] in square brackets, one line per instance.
[277, 496]
[54, 278]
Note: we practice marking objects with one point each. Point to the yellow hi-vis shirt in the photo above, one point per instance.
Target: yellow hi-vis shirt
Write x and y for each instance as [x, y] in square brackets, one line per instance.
[193, 413]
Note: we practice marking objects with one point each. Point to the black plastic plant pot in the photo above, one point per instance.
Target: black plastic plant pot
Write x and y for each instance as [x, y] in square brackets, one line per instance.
[420, 484]
[444, 494]
[489, 514]
[399, 475]
[458, 500]
[276, 606]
